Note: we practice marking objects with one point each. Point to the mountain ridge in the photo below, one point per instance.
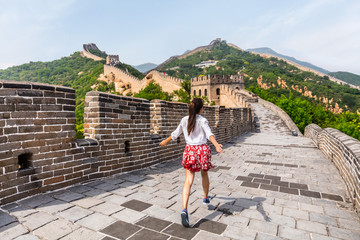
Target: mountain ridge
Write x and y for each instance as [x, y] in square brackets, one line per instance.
[266, 50]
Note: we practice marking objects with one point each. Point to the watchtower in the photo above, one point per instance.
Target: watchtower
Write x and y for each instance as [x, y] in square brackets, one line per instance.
[210, 85]
[112, 60]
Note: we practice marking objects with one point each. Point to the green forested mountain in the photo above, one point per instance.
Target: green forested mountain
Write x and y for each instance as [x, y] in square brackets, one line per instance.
[305, 96]
[347, 77]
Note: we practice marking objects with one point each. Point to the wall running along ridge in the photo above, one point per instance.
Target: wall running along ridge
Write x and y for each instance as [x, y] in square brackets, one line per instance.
[88, 54]
[122, 134]
[344, 152]
[168, 83]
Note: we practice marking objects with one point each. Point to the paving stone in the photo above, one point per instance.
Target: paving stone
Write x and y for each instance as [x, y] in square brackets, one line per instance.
[332, 197]
[269, 187]
[210, 226]
[250, 184]
[36, 201]
[136, 205]
[289, 190]
[324, 219]
[315, 236]
[203, 235]
[340, 213]
[55, 206]
[239, 233]
[87, 202]
[294, 234]
[115, 199]
[159, 212]
[299, 186]
[178, 230]
[246, 203]
[282, 220]
[80, 188]
[165, 194]
[97, 193]
[150, 183]
[311, 208]
[121, 230]
[254, 214]
[162, 202]
[265, 227]
[96, 221]
[311, 227]
[286, 203]
[55, 230]
[312, 194]
[83, 233]
[343, 233]
[237, 221]
[244, 178]
[263, 236]
[148, 234]
[297, 214]
[124, 191]
[107, 208]
[5, 219]
[349, 224]
[69, 196]
[37, 220]
[27, 237]
[153, 223]
[132, 178]
[12, 231]
[75, 213]
[106, 187]
[141, 196]
[129, 215]
[203, 212]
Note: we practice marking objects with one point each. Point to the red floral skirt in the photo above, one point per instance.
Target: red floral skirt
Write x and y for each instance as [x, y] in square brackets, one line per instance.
[197, 157]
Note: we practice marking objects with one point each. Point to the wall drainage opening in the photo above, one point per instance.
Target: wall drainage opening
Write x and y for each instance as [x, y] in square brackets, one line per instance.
[127, 146]
[24, 160]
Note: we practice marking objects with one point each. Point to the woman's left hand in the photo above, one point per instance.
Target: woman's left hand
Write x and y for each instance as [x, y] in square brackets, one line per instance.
[163, 143]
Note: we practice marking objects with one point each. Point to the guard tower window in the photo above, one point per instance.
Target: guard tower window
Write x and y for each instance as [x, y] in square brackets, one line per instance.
[218, 91]
[200, 92]
[205, 92]
[24, 160]
[194, 92]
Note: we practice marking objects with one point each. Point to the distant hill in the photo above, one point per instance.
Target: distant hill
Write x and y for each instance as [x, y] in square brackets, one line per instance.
[346, 77]
[145, 67]
[269, 51]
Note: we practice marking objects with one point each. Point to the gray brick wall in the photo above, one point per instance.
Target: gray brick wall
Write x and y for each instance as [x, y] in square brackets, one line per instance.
[344, 152]
[123, 133]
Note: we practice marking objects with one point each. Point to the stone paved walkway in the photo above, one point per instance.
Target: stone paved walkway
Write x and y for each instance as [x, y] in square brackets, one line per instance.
[267, 185]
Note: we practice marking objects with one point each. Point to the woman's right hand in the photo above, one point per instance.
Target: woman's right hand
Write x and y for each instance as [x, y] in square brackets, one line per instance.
[163, 143]
[219, 148]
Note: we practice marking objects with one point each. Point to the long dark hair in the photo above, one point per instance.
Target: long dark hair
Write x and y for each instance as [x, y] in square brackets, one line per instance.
[194, 108]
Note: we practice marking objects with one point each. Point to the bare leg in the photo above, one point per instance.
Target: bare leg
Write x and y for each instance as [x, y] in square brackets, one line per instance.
[187, 187]
[205, 183]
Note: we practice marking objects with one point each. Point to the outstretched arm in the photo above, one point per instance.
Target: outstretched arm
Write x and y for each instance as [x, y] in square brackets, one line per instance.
[216, 144]
[164, 142]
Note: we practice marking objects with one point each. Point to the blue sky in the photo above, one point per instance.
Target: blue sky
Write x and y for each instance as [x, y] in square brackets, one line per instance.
[323, 32]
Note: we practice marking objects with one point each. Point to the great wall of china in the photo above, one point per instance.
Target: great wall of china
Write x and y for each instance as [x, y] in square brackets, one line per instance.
[38, 152]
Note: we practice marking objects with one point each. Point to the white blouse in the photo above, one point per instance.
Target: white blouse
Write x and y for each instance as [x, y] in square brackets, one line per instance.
[198, 136]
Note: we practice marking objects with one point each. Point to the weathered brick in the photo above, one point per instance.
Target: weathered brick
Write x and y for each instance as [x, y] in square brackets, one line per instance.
[54, 180]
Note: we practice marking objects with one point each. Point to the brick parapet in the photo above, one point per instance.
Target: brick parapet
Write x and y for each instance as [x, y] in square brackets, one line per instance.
[123, 134]
[344, 152]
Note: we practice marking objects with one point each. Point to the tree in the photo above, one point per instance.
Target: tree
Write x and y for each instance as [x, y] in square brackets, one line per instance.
[153, 91]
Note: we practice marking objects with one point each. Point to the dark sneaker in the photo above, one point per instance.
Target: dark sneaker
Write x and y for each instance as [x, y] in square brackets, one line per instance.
[185, 218]
[206, 201]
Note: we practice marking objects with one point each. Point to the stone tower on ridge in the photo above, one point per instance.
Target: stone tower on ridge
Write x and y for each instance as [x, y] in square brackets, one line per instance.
[211, 85]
